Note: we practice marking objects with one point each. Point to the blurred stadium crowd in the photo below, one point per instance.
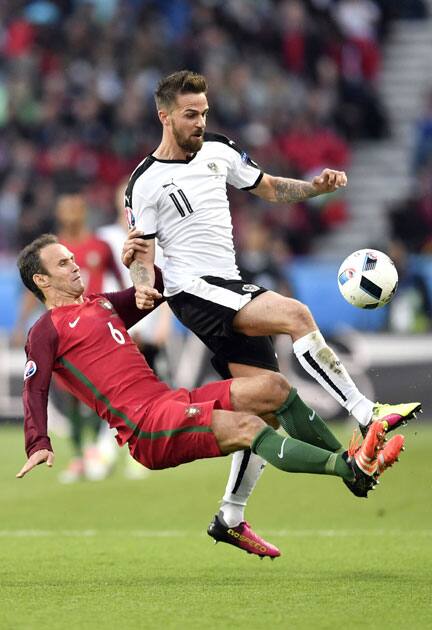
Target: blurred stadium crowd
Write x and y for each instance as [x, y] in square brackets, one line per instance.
[292, 81]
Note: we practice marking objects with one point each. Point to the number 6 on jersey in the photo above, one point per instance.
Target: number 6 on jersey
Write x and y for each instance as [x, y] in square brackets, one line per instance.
[116, 334]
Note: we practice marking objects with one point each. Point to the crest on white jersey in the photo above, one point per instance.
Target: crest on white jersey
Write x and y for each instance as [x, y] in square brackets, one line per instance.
[213, 167]
[29, 369]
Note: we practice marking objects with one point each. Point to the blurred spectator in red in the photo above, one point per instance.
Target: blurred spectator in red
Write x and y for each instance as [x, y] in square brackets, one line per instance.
[308, 146]
[359, 54]
[302, 44]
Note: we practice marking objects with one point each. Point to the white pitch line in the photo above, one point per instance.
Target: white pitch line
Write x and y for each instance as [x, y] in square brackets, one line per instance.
[144, 533]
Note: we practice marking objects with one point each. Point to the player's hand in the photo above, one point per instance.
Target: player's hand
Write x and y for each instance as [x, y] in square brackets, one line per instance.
[329, 181]
[133, 243]
[145, 297]
[39, 457]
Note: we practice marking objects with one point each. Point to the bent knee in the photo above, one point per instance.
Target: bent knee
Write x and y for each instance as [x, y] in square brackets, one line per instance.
[301, 318]
[249, 426]
[276, 388]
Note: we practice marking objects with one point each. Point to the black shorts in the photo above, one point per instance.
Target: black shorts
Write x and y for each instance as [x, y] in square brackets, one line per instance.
[208, 308]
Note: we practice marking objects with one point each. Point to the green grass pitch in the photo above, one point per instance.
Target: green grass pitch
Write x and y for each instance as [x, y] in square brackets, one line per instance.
[134, 554]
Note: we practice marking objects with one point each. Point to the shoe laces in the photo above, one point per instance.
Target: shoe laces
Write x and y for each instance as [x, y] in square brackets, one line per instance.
[355, 443]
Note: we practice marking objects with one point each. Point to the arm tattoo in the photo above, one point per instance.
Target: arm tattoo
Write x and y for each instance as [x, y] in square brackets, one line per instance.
[292, 189]
[139, 274]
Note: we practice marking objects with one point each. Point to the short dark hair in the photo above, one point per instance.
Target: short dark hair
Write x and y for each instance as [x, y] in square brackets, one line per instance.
[29, 262]
[181, 82]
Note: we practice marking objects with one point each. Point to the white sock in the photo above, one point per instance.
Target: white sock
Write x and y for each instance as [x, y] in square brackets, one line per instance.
[325, 367]
[363, 410]
[246, 469]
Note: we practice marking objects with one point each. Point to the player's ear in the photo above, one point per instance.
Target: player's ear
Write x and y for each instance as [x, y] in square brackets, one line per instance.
[164, 117]
[41, 280]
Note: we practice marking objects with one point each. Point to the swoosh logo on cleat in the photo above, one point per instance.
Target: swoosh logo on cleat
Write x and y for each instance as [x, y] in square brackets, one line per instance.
[280, 454]
[74, 323]
[312, 415]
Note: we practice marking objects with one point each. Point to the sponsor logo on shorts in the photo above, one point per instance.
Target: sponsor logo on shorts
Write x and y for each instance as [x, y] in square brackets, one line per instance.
[247, 540]
[192, 412]
[250, 288]
[29, 369]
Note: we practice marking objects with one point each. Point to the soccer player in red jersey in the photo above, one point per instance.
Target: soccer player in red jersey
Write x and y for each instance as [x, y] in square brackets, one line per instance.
[95, 259]
[85, 342]
[93, 255]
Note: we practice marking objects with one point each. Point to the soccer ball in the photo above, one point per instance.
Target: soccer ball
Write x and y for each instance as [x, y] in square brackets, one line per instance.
[367, 279]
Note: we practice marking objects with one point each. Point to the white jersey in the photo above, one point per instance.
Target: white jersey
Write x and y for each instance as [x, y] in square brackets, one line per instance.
[184, 204]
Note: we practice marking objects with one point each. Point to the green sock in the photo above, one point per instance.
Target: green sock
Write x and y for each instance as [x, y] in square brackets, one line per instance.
[292, 455]
[303, 423]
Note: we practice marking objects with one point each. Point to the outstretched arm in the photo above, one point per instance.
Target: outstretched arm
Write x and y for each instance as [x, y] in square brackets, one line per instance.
[41, 350]
[286, 190]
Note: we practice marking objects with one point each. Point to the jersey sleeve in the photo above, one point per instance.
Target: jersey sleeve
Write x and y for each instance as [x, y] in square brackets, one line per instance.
[243, 172]
[125, 306]
[41, 349]
[141, 213]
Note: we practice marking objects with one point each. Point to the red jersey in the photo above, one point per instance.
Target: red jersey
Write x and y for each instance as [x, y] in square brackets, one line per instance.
[95, 259]
[90, 351]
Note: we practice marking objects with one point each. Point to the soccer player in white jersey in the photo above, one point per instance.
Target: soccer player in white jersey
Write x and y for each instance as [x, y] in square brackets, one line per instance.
[178, 194]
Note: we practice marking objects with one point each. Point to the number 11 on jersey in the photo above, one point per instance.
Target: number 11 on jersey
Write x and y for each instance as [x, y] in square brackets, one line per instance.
[181, 207]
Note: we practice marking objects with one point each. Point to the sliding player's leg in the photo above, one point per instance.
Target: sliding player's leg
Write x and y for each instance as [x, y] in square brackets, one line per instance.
[268, 394]
[262, 394]
[234, 430]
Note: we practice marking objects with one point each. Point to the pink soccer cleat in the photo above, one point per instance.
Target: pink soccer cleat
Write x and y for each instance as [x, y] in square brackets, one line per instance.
[243, 537]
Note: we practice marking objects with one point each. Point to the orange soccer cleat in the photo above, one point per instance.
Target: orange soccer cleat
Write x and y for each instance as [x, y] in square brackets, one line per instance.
[390, 453]
[363, 459]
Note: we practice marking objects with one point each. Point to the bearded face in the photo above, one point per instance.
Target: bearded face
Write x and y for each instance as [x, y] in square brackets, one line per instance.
[190, 141]
[188, 121]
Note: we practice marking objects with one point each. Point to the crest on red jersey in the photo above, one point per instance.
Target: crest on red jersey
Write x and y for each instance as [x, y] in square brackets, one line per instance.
[192, 411]
[106, 305]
